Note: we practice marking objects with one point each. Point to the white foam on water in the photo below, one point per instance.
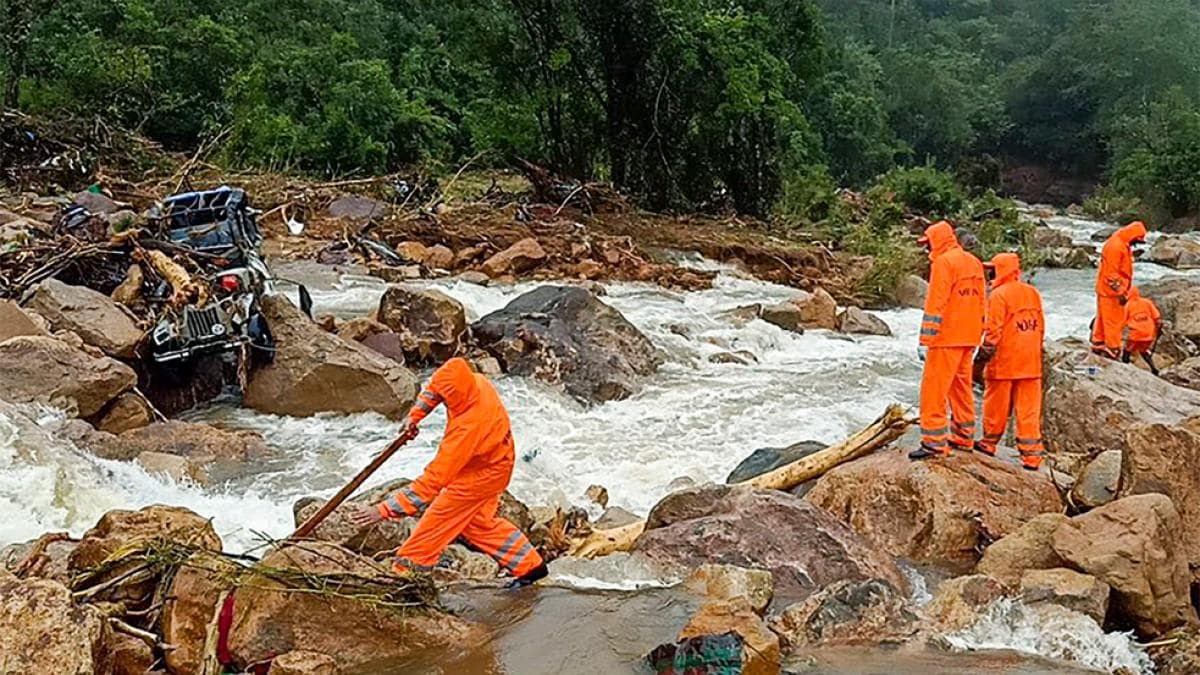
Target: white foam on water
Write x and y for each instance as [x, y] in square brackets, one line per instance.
[1053, 632]
[616, 572]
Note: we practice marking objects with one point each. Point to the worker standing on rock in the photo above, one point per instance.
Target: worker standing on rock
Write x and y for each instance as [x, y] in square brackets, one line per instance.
[1012, 350]
[1113, 283]
[1143, 325]
[950, 333]
[459, 492]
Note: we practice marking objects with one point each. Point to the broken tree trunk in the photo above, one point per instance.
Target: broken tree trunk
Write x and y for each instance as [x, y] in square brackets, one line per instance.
[184, 289]
[883, 431]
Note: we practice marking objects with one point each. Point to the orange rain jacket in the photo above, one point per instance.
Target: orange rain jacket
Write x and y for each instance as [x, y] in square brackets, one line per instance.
[954, 306]
[1142, 318]
[1016, 325]
[477, 452]
[1115, 277]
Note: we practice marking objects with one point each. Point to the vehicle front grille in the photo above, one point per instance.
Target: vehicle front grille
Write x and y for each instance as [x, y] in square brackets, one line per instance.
[199, 322]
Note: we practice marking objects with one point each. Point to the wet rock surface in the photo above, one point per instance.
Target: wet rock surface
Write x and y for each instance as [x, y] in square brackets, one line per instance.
[216, 455]
[765, 460]
[315, 371]
[1164, 460]
[1175, 252]
[44, 369]
[42, 630]
[943, 511]
[727, 582]
[815, 310]
[855, 321]
[847, 612]
[93, 316]
[1097, 484]
[959, 602]
[430, 325]
[566, 336]
[1030, 547]
[1075, 591]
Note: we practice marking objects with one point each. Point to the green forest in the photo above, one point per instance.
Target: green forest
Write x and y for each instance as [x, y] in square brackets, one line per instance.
[758, 105]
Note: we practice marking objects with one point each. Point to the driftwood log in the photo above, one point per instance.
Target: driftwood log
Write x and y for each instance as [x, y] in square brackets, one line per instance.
[882, 432]
[184, 289]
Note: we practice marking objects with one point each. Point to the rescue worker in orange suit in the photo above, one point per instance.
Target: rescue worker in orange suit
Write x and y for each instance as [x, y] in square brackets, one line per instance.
[950, 333]
[1143, 325]
[459, 492]
[1113, 282]
[1012, 350]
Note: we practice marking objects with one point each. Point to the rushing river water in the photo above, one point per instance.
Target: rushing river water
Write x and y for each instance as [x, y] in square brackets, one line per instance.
[695, 419]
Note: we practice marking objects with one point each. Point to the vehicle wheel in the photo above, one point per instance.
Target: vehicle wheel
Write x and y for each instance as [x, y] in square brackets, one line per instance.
[262, 343]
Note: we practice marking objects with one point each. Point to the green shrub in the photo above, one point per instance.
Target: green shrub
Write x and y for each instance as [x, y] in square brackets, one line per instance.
[809, 197]
[925, 190]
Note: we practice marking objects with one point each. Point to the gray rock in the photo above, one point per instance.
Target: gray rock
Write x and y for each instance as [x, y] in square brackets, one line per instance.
[857, 321]
[93, 316]
[1097, 484]
[44, 369]
[764, 460]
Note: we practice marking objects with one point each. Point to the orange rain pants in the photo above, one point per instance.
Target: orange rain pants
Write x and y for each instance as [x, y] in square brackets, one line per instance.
[946, 382]
[1109, 325]
[1114, 279]
[459, 492]
[1001, 398]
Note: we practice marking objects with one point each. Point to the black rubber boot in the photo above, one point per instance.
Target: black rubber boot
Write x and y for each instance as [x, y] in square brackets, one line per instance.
[924, 452]
[1029, 468]
[536, 574]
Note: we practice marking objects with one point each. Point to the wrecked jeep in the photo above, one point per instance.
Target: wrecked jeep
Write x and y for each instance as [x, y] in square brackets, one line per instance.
[218, 229]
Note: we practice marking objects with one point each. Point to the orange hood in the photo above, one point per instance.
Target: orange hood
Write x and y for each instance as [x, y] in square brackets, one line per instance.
[941, 238]
[456, 383]
[1008, 268]
[1135, 231]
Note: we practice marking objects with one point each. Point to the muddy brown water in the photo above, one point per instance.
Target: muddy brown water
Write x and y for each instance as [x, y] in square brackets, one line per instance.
[559, 630]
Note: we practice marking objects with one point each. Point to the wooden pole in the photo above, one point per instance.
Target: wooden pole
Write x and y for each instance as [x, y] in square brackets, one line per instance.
[317, 518]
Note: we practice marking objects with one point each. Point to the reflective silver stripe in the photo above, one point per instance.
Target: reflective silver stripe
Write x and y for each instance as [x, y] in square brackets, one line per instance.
[412, 497]
[1033, 453]
[930, 318]
[508, 544]
[395, 506]
[935, 444]
[425, 407]
[516, 561]
[405, 562]
[1029, 441]
[934, 432]
[929, 332]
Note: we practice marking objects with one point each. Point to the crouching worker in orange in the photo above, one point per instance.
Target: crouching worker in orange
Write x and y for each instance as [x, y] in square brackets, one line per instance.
[459, 492]
[1012, 350]
[1113, 281]
[1143, 325]
[950, 333]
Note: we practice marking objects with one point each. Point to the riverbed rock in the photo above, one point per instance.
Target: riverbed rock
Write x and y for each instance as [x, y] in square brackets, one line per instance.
[130, 655]
[597, 494]
[217, 454]
[45, 369]
[516, 259]
[91, 315]
[190, 606]
[1082, 593]
[958, 602]
[804, 547]
[1175, 252]
[564, 335]
[42, 630]
[855, 321]
[15, 321]
[761, 655]
[944, 511]
[615, 516]
[1136, 546]
[1030, 547]
[315, 371]
[119, 529]
[910, 291]
[1179, 301]
[430, 324]
[847, 613]
[1118, 397]
[1068, 257]
[1164, 460]
[1185, 374]
[126, 412]
[53, 563]
[270, 620]
[1097, 484]
[354, 207]
[727, 582]
[816, 310]
[304, 663]
[765, 460]
[361, 328]
[1048, 237]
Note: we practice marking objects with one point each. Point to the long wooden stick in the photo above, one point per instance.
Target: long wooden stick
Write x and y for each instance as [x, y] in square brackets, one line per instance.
[883, 431]
[317, 518]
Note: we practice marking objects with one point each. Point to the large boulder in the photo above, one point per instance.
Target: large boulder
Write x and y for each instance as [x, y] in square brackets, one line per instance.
[42, 630]
[121, 529]
[1097, 484]
[93, 316]
[430, 324]
[190, 605]
[1048, 237]
[727, 582]
[807, 310]
[1068, 257]
[520, 257]
[959, 602]
[1179, 301]
[804, 547]
[1165, 460]
[37, 368]
[15, 321]
[943, 511]
[357, 208]
[1116, 397]
[270, 619]
[765, 460]
[855, 321]
[847, 613]
[1136, 546]
[1029, 548]
[565, 335]
[911, 291]
[1186, 373]
[1176, 252]
[217, 455]
[126, 412]
[315, 371]
[340, 529]
[1079, 592]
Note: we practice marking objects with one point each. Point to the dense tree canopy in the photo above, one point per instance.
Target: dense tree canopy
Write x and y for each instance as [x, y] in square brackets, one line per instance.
[685, 103]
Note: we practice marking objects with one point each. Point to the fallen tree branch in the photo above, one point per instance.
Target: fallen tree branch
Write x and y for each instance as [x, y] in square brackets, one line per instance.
[883, 431]
[36, 559]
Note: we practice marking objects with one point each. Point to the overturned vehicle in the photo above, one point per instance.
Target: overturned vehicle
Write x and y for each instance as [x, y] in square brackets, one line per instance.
[215, 309]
